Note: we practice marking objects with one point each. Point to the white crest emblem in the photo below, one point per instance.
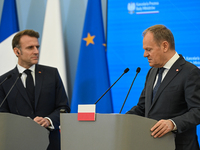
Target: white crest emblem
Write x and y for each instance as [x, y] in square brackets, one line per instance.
[131, 7]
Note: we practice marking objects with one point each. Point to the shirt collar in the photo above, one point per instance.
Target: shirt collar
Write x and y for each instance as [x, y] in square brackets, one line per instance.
[169, 64]
[22, 69]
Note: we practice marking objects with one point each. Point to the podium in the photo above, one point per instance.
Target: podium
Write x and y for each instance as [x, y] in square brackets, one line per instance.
[112, 132]
[21, 133]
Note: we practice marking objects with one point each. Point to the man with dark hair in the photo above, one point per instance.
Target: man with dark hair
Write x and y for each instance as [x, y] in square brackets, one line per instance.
[40, 93]
[17, 37]
[172, 90]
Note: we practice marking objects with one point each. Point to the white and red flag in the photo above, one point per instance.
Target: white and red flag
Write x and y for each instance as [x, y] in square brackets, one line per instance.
[86, 112]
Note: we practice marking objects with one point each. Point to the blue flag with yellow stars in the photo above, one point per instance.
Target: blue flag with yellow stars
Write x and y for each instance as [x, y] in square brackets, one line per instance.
[92, 78]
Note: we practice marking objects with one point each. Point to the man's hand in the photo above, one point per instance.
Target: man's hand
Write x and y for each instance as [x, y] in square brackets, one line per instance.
[42, 121]
[161, 128]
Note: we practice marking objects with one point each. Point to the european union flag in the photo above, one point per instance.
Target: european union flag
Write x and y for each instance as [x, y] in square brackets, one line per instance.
[92, 78]
[9, 20]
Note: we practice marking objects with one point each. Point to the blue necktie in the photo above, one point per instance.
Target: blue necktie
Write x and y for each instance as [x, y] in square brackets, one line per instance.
[160, 72]
[30, 88]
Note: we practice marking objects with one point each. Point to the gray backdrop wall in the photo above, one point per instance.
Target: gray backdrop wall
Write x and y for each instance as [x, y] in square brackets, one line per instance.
[31, 15]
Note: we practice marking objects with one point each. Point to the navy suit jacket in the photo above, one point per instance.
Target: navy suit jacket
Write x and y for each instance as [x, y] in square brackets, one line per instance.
[50, 97]
[178, 98]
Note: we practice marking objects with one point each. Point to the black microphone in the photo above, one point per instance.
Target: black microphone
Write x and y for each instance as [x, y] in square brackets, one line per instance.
[11, 89]
[125, 71]
[137, 71]
[8, 77]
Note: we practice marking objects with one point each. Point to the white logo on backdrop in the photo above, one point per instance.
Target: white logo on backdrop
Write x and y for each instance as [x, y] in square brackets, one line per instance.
[131, 7]
[143, 7]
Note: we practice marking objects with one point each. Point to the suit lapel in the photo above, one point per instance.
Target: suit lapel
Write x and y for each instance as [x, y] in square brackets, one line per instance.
[20, 86]
[174, 70]
[38, 84]
[149, 87]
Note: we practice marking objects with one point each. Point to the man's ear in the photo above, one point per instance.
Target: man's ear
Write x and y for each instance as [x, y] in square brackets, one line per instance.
[165, 46]
[16, 51]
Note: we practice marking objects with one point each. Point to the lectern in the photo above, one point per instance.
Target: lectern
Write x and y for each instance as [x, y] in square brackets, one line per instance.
[21, 133]
[112, 132]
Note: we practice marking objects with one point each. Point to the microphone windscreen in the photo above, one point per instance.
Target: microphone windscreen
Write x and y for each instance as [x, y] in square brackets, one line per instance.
[138, 69]
[126, 70]
[20, 75]
[9, 76]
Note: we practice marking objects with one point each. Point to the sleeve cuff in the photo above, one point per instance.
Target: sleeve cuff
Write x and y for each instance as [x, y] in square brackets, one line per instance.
[51, 124]
[175, 127]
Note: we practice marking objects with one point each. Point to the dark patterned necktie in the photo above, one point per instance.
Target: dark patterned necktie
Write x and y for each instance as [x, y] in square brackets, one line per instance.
[30, 88]
[160, 72]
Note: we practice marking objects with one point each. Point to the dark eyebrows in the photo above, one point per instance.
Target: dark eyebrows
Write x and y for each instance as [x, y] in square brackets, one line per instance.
[32, 46]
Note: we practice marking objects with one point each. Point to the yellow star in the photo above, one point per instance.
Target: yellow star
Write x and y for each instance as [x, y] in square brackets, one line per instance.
[104, 44]
[89, 39]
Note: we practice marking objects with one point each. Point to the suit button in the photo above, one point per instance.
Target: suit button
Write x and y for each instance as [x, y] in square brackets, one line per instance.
[32, 112]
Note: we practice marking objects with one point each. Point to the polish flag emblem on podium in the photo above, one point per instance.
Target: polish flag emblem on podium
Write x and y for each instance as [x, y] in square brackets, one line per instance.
[86, 112]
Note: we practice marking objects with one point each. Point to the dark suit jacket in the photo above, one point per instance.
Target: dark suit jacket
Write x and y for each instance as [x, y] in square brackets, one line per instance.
[50, 97]
[178, 98]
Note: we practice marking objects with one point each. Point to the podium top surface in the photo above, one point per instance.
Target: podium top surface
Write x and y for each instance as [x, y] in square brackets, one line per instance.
[21, 133]
[112, 132]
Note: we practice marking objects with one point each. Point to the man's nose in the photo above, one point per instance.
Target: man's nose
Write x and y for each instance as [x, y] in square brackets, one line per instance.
[145, 54]
[36, 49]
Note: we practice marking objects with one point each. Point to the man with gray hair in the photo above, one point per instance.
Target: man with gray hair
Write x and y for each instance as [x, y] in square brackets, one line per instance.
[172, 90]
